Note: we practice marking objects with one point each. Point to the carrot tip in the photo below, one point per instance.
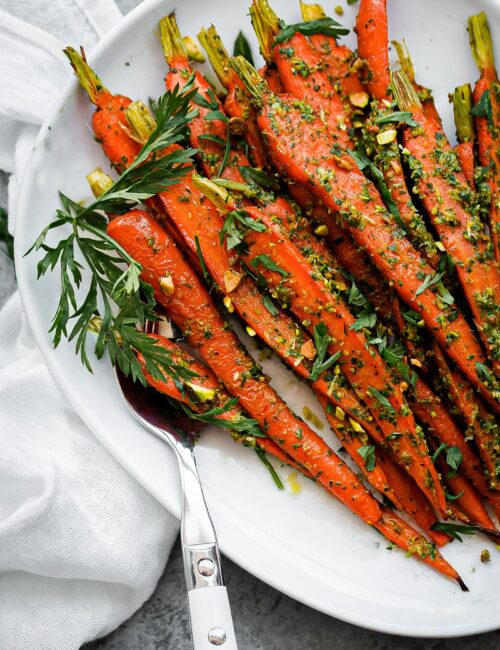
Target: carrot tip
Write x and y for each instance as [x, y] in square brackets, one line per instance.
[493, 534]
[461, 584]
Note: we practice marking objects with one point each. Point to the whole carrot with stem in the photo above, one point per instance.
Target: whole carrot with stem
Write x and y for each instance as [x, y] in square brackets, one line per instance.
[380, 131]
[301, 145]
[237, 103]
[292, 279]
[487, 116]
[450, 204]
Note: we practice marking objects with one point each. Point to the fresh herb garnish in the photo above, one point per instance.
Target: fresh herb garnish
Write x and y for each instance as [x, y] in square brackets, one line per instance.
[242, 424]
[365, 320]
[396, 116]
[324, 26]
[484, 373]
[268, 263]
[269, 305]
[441, 448]
[252, 175]
[212, 116]
[429, 281]
[381, 399]
[262, 456]
[455, 531]
[236, 225]
[210, 103]
[483, 108]
[367, 453]
[5, 235]
[321, 342]
[115, 289]
[454, 458]
[204, 269]
[453, 497]
[212, 138]
[242, 48]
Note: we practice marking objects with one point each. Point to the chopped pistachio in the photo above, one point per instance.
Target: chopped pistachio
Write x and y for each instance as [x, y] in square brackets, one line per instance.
[386, 137]
[228, 304]
[167, 285]
[359, 99]
[231, 280]
[485, 555]
[250, 331]
[321, 230]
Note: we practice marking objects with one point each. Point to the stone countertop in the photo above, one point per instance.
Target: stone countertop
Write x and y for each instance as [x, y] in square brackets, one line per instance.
[264, 618]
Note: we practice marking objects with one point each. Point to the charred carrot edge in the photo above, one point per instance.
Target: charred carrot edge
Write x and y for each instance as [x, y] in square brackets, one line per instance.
[450, 205]
[306, 298]
[464, 124]
[372, 31]
[291, 137]
[485, 430]
[192, 309]
[237, 103]
[487, 125]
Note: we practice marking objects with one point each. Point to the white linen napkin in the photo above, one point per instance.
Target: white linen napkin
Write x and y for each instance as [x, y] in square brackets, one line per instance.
[82, 545]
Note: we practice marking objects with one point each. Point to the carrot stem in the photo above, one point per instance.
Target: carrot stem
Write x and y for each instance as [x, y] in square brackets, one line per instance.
[480, 41]
[462, 105]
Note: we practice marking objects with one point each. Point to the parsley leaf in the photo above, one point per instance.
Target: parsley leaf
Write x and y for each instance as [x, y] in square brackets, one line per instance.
[324, 26]
[262, 456]
[454, 530]
[381, 399]
[213, 116]
[242, 48]
[397, 116]
[268, 263]
[429, 280]
[483, 108]
[367, 453]
[484, 373]
[365, 320]
[321, 342]
[236, 224]
[269, 305]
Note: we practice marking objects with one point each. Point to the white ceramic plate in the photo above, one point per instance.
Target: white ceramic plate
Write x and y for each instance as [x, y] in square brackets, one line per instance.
[306, 544]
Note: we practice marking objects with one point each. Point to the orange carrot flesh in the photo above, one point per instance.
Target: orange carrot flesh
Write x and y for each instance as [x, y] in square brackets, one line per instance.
[465, 154]
[447, 198]
[352, 444]
[431, 412]
[192, 309]
[483, 425]
[302, 146]
[272, 78]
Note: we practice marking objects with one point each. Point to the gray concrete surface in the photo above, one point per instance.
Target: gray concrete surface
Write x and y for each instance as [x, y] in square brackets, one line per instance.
[264, 618]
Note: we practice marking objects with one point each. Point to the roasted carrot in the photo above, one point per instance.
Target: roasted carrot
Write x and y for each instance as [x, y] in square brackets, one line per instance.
[451, 206]
[487, 115]
[301, 145]
[195, 218]
[237, 103]
[464, 123]
[354, 441]
[340, 62]
[372, 30]
[301, 71]
[292, 279]
[412, 499]
[190, 306]
[483, 426]
[380, 131]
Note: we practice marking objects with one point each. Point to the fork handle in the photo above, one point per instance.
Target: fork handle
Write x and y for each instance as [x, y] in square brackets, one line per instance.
[211, 620]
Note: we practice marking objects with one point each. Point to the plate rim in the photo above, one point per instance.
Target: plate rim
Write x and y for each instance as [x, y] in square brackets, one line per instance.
[134, 469]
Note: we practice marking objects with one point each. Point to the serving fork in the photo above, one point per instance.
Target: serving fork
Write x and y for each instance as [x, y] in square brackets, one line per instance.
[211, 620]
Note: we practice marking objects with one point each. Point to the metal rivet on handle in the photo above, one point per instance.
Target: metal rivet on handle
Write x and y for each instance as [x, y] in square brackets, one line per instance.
[206, 567]
[217, 636]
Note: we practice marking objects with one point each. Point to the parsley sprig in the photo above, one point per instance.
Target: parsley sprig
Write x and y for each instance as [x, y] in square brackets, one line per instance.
[114, 293]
